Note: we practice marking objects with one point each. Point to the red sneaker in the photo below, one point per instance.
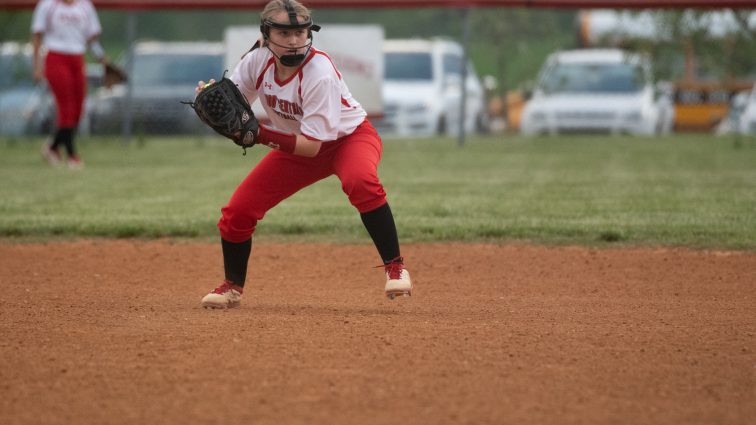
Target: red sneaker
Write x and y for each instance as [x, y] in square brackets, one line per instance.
[75, 163]
[398, 283]
[50, 155]
[228, 295]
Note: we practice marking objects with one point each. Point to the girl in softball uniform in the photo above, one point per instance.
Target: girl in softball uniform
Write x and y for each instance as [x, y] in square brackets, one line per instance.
[67, 28]
[317, 129]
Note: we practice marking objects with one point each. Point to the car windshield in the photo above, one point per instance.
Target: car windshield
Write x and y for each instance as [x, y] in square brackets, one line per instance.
[408, 66]
[175, 69]
[15, 70]
[593, 78]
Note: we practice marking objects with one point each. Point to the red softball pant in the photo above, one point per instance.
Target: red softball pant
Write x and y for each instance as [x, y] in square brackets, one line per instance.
[65, 75]
[353, 159]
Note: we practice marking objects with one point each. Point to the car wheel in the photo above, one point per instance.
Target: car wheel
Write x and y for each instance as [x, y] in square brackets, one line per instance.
[481, 124]
[441, 126]
[661, 127]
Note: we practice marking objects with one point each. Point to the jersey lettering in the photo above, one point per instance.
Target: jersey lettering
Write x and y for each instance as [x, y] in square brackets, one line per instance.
[285, 116]
[289, 107]
[67, 18]
[283, 108]
[271, 99]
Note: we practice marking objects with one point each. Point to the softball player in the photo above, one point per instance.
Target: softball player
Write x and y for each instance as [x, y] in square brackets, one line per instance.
[317, 129]
[66, 27]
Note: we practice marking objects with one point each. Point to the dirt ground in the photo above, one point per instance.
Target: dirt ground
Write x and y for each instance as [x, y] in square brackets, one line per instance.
[111, 332]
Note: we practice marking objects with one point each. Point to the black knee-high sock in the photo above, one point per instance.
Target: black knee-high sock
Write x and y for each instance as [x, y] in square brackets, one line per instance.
[235, 259]
[57, 139]
[64, 136]
[382, 229]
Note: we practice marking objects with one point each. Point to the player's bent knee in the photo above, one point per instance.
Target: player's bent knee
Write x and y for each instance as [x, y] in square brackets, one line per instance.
[236, 226]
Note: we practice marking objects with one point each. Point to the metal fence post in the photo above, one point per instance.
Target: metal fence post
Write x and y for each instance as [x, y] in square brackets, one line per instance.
[126, 123]
[463, 96]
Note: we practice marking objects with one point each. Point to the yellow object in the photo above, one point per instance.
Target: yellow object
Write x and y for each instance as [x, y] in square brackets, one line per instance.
[700, 106]
[515, 102]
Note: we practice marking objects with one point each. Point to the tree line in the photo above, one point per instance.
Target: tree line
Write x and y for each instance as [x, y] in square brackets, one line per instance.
[508, 43]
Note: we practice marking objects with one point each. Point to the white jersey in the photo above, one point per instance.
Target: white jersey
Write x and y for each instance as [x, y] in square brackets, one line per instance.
[66, 27]
[314, 101]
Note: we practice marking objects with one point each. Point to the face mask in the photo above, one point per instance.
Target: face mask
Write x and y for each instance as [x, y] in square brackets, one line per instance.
[292, 59]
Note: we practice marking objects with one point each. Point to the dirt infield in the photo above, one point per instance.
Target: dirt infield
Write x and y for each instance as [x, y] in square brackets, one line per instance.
[111, 332]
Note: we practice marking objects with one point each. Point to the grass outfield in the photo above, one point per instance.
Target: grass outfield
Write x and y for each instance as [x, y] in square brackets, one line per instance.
[697, 191]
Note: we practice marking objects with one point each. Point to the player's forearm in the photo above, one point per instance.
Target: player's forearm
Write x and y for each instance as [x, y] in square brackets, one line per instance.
[296, 144]
[97, 50]
[36, 42]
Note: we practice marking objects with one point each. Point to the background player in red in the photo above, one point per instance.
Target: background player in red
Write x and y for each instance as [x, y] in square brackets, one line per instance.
[66, 27]
[317, 130]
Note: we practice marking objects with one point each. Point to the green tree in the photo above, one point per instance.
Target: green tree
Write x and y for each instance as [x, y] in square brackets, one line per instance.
[509, 44]
[516, 41]
[698, 44]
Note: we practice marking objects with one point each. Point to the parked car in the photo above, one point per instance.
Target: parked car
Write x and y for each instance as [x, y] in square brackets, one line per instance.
[422, 89]
[747, 118]
[28, 108]
[163, 75]
[23, 104]
[598, 91]
[730, 123]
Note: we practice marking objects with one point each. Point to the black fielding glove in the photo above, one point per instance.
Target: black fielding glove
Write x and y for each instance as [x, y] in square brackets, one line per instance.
[224, 108]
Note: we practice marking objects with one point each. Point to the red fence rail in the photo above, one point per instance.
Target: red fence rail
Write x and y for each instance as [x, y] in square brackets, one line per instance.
[350, 4]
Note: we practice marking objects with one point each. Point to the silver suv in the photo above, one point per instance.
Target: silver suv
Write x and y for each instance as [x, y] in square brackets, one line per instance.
[597, 91]
[163, 75]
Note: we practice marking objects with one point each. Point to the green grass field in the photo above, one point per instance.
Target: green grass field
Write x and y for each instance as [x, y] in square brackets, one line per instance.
[696, 191]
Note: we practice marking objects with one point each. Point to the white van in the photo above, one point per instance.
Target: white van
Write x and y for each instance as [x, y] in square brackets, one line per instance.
[422, 89]
[597, 91]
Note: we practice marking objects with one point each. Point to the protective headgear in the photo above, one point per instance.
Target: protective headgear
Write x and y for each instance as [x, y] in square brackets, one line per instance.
[293, 59]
